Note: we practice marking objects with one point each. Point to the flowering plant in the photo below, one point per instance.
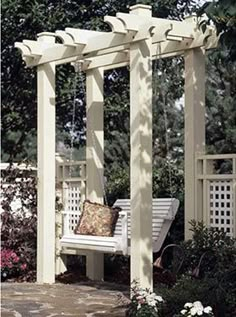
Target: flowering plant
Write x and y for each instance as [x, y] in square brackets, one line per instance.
[144, 303]
[195, 309]
[10, 263]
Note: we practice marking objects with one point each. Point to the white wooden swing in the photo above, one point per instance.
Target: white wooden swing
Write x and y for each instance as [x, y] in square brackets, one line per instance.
[163, 214]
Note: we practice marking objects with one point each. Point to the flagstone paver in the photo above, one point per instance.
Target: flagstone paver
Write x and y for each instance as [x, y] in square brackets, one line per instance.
[83, 300]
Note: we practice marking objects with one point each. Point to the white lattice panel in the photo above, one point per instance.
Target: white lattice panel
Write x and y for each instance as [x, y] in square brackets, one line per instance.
[222, 206]
[73, 203]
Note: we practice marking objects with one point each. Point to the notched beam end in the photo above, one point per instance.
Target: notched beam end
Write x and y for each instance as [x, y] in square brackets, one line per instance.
[25, 51]
[131, 23]
[35, 47]
[160, 32]
[66, 38]
[211, 38]
[115, 24]
[26, 54]
[76, 35]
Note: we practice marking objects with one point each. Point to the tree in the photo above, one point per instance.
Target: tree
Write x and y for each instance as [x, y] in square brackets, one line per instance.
[221, 80]
[223, 13]
[220, 103]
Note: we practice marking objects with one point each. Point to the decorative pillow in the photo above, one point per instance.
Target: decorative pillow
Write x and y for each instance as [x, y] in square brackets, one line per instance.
[97, 220]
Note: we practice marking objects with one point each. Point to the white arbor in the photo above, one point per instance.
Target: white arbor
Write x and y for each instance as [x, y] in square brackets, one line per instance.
[135, 40]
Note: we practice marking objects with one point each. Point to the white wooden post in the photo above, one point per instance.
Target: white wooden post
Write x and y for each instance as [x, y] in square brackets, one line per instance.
[194, 132]
[95, 158]
[46, 170]
[141, 157]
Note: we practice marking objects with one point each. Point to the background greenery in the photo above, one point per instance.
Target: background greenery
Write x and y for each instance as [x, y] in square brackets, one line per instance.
[24, 19]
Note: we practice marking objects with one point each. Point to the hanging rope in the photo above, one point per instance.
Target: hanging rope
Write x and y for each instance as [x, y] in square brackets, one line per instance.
[77, 66]
[79, 80]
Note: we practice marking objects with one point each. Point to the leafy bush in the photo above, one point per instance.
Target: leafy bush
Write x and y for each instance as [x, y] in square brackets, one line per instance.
[11, 264]
[208, 274]
[18, 227]
[210, 252]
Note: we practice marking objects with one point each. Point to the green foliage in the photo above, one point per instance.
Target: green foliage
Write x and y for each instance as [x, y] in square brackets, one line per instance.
[19, 227]
[220, 103]
[187, 290]
[218, 251]
[208, 274]
[223, 13]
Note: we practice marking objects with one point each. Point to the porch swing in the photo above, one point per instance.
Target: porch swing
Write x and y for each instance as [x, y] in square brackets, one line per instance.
[163, 211]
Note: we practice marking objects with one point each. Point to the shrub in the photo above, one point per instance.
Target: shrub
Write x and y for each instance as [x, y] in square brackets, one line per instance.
[208, 274]
[187, 290]
[210, 252]
[11, 264]
[19, 227]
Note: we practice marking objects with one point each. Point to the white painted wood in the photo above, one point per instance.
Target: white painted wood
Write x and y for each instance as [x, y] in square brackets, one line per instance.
[141, 161]
[95, 156]
[163, 214]
[126, 29]
[221, 206]
[116, 25]
[140, 33]
[218, 192]
[46, 172]
[95, 135]
[194, 141]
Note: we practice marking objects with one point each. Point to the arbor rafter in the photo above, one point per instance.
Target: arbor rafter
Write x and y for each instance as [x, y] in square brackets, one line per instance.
[174, 36]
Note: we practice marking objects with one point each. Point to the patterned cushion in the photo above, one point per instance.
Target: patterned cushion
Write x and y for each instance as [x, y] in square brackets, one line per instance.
[97, 220]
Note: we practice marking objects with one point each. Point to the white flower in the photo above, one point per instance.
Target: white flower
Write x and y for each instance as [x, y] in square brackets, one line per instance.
[159, 298]
[199, 308]
[207, 309]
[193, 311]
[188, 305]
[183, 311]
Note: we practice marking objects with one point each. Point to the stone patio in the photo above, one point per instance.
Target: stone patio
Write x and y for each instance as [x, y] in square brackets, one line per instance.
[85, 300]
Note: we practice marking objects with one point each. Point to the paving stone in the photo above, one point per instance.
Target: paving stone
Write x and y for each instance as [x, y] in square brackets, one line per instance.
[82, 300]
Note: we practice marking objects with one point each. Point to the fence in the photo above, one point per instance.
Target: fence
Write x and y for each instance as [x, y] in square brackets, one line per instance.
[215, 195]
[71, 187]
[216, 189]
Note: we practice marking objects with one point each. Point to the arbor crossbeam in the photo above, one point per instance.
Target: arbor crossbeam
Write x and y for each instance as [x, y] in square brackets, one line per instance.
[174, 36]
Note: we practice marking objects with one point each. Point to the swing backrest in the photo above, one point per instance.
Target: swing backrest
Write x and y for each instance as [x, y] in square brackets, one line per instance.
[163, 214]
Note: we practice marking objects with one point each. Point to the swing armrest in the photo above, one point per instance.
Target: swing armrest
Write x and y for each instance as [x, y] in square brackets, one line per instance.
[124, 231]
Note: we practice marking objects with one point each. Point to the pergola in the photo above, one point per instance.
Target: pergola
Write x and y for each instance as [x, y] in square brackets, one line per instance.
[136, 39]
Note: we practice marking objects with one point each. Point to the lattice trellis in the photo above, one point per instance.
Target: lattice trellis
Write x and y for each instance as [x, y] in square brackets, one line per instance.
[73, 204]
[222, 206]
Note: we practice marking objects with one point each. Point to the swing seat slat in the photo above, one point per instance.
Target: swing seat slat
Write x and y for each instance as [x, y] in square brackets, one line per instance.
[163, 214]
